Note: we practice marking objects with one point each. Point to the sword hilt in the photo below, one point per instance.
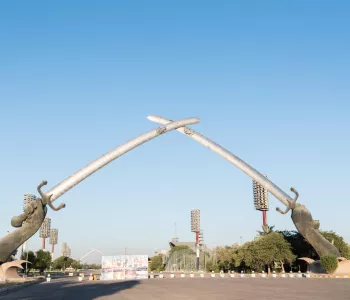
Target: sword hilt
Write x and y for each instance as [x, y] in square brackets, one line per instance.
[46, 200]
[291, 203]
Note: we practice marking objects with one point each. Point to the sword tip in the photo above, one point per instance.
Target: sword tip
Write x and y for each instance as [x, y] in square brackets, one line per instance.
[152, 118]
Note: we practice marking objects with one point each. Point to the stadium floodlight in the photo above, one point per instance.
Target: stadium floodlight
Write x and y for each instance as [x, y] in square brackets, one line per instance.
[196, 227]
[53, 239]
[195, 220]
[261, 197]
[27, 199]
[45, 231]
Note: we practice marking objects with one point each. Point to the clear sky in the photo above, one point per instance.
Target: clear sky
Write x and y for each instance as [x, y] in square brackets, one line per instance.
[269, 80]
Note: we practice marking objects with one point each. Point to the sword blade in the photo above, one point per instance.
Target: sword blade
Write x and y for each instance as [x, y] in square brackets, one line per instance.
[230, 157]
[105, 159]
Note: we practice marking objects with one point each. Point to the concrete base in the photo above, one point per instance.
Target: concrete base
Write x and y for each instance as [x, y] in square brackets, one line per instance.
[9, 270]
[315, 267]
[343, 267]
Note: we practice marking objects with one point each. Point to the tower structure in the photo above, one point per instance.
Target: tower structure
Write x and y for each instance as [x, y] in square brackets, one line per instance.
[69, 252]
[53, 239]
[65, 250]
[26, 200]
[45, 231]
[261, 199]
[195, 227]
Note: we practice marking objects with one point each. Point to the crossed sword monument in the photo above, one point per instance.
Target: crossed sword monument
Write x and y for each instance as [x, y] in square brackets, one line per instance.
[29, 222]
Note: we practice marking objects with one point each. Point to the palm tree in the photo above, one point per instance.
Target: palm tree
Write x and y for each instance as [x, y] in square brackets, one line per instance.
[266, 230]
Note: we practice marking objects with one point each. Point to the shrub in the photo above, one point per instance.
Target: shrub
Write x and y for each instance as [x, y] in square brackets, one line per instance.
[156, 263]
[212, 267]
[329, 263]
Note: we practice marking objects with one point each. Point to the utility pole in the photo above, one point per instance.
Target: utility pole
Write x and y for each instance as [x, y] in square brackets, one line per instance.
[195, 227]
[124, 263]
[27, 257]
[201, 245]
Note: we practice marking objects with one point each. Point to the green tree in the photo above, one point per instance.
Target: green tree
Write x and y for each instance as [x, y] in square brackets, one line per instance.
[210, 266]
[31, 259]
[244, 256]
[329, 263]
[43, 260]
[269, 249]
[225, 257]
[156, 263]
[338, 242]
[94, 266]
[299, 245]
[62, 262]
[302, 248]
[273, 248]
[75, 264]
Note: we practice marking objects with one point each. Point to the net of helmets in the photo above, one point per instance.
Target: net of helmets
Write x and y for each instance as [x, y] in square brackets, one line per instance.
[45, 228]
[54, 236]
[195, 220]
[261, 199]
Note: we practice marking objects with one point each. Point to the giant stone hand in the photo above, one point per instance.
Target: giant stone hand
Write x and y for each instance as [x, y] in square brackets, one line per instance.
[28, 223]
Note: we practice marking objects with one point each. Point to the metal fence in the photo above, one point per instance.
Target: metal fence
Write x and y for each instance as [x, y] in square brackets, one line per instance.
[185, 260]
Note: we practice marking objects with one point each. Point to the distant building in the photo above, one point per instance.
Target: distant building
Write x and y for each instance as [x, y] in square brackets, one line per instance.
[65, 250]
[45, 228]
[186, 260]
[191, 245]
[27, 199]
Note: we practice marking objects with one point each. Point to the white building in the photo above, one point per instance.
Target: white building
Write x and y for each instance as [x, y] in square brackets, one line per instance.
[27, 199]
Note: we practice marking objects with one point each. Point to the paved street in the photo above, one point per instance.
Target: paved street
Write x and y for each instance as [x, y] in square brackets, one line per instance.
[197, 288]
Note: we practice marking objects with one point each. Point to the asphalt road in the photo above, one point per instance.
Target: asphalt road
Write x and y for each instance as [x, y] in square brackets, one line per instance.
[187, 288]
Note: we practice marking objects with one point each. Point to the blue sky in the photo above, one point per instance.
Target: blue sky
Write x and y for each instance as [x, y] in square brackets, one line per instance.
[269, 80]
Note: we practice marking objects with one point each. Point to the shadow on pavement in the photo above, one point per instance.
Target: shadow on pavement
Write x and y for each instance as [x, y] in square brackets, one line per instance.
[72, 290]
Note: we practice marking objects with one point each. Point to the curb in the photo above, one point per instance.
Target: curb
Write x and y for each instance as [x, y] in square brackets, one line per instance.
[19, 286]
[284, 276]
[330, 276]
